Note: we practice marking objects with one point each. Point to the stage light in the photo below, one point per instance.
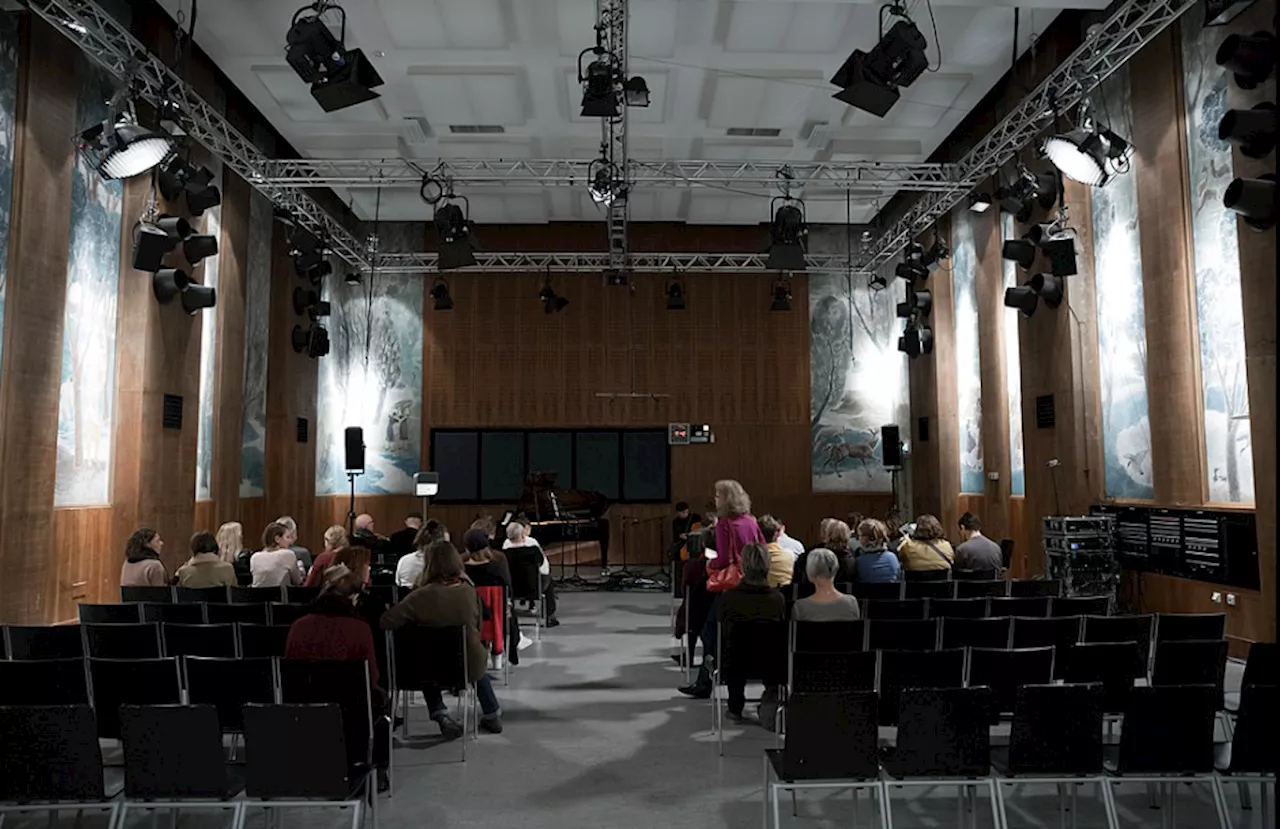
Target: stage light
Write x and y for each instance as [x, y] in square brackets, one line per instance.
[980, 202]
[310, 46]
[1250, 58]
[870, 80]
[175, 227]
[150, 244]
[440, 296]
[1253, 130]
[675, 296]
[316, 274]
[339, 77]
[1047, 287]
[787, 236]
[923, 301]
[195, 248]
[911, 271]
[306, 250]
[300, 338]
[905, 311]
[1222, 12]
[1022, 298]
[781, 296]
[180, 178]
[1254, 199]
[616, 278]
[1089, 154]
[198, 297]
[350, 83]
[203, 199]
[314, 340]
[353, 278]
[552, 303]
[454, 230]
[916, 340]
[601, 185]
[167, 283]
[599, 98]
[878, 282]
[125, 149]
[636, 92]
[303, 299]
[1019, 250]
[935, 255]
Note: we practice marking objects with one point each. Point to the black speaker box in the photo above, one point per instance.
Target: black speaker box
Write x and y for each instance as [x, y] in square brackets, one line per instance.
[891, 445]
[355, 449]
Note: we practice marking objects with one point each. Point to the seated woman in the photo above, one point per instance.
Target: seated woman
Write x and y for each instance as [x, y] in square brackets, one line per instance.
[753, 600]
[275, 564]
[826, 604]
[206, 568]
[835, 537]
[142, 566]
[926, 548]
[522, 550]
[477, 561]
[232, 550]
[447, 599]
[876, 562]
[335, 539]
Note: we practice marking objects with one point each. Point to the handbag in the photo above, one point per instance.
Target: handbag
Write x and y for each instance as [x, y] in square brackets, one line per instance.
[719, 581]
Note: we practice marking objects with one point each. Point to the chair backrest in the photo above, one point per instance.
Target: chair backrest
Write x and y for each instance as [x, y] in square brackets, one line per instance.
[897, 609]
[301, 595]
[119, 682]
[1191, 662]
[1006, 552]
[429, 656]
[147, 593]
[902, 635]
[229, 685]
[1026, 588]
[199, 640]
[974, 575]
[828, 637]
[931, 590]
[1262, 667]
[1004, 669]
[1057, 729]
[49, 753]
[344, 683]
[286, 614]
[44, 642]
[1181, 627]
[385, 592]
[943, 732]
[136, 641]
[754, 650]
[976, 633]
[262, 640]
[916, 669]
[1168, 730]
[275, 736]
[877, 591]
[833, 672]
[1253, 747]
[927, 575]
[1080, 606]
[109, 614]
[1122, 629]
[1061, 633]
[1108, 663]
[178, 614]
[975, 589]
[957, 608]
[172, 751]
[525, 579]
[207, 595]
[831, 736]
[250, 595]
[43, 682]
[1036, 607]
[223, 613]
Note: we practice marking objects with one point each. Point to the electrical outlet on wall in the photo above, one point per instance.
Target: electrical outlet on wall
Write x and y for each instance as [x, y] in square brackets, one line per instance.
[1216, 597]
[1231, 599]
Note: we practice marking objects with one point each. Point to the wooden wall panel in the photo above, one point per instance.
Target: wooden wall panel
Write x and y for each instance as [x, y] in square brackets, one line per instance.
[989, 284]
[88, 563]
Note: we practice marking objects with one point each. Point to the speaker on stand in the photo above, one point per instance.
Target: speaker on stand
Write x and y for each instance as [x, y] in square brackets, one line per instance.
[354, 439]
[891, 455]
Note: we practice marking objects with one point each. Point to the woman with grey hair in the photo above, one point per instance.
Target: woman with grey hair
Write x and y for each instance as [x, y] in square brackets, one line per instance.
[826, 604]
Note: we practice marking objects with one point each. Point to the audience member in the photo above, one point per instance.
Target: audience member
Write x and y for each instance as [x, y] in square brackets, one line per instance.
[708, 531]
[231, 549]
[753, 600]
[681, 526]
[447, 599]
[855, 520]
[302, 553]
[142, 566]
[489, 526]
[523, 551]
[823, 526]
[478, 560]
[412, 565]
[780, 560]
[335, 538]
[976, 551]
[835, 538]
[926, 548]
[875, 561]
[368, 606]
[786, 542]
[275, 564]
[206, 568]
[826, 604]
[400, 543]
[364, 527]
[692, 615]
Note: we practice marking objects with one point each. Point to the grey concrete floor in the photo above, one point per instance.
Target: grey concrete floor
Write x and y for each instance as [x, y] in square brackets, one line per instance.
[597, 736]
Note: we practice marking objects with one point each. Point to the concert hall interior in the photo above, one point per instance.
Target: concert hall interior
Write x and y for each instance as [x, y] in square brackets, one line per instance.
[1009, 264]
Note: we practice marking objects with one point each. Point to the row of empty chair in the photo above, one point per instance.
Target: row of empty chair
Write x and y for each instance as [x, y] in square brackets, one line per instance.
[143, 641]
[219, 595]
[954, 589]
[977, 608]
[193, 613]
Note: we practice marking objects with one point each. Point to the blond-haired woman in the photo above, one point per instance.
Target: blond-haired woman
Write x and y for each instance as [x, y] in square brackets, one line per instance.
[876, 562]
[335, 538]
[231, 549]
[926, 548]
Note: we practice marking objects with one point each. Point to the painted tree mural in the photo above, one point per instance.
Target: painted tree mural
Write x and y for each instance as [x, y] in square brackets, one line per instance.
[968, 364]
[253, 414]
[8, 102]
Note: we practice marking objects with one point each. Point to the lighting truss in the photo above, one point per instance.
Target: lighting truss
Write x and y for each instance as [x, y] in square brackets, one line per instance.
[598, 262]
[612, 15]
[1104, 51]
[111, 45]
[766, 176]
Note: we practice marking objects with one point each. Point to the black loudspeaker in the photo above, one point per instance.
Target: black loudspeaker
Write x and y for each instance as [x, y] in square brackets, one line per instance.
[891, 446]
[355, 449]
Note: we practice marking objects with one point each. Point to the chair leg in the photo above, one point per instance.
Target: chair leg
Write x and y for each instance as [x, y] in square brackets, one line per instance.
[1246, 797]
[998, 818]
[857, 809]
[795, 805]
[777, 813]
[764, 795]
[886, 809]
[1108, 804]
[1074, 804]
[404, 714]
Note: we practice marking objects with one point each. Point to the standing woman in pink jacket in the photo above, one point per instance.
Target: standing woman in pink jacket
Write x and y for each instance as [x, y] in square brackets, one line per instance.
[735, 528]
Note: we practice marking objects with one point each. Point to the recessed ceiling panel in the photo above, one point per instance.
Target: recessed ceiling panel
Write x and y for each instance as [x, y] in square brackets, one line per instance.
[762, 100]
[787, 27]
[929, 100]
[445, 24]
[470, 96]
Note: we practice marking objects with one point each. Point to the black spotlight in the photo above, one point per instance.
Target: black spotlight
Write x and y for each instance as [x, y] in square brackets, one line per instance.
[1254, 130]
[933, 258]
[979, 202]
[599, 98]
[675, 296]
[1251, 58]
[199, 247]
[316, 274]
[175, 226]
[905, 311]
[552, 303]
[911, 270]
[353, 278]
[201, 200]
[306, 250]
[339, 77]
[870, 80]
[457, 249]
[1048, 287]
[198, 297]
[1022, 298]
[781, 296]
[1058, 245]
[150, 244]
[314, 341]
[787, 236]
[300, 338]
[182, 178]
[125, 149]
[1254, 199]
[168, 283]
[303, 299]
[877, 282]
[916, 340]
[923, 302]
[636, 91]
[1021, 251]
[440, 296]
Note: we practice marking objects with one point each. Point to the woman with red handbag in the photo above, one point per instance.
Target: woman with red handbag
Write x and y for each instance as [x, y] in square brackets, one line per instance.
[736, 527]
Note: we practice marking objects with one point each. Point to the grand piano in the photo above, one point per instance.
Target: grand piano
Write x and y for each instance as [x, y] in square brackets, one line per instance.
[572, 525]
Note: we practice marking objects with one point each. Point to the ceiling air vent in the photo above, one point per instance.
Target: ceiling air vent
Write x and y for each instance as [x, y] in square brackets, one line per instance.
[477, 129]
[753, 132]
[414, 130]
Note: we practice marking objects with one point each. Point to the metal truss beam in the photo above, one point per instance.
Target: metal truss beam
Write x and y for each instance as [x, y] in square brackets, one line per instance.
[613, 23]
[1104, 51]
[599, 262]
[766, 176]
[110, 45]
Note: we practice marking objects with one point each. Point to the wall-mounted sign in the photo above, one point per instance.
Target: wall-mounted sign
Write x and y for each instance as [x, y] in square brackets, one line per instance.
[700, 433]
[678, 434]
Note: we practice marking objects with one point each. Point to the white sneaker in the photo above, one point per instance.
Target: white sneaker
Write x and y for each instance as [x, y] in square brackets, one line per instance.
[525, 641]
[495, 660]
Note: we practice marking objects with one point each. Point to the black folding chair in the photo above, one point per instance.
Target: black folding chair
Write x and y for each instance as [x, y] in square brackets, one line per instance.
[831, 637]
[974, 575]
[526, 586]
[43, 642]
[277, 735]
[1261, 667]
[877, 591]
[1003, 670]
[229, 684]
[252, 595]
[1181, 627]
[1191, 662]
[200, 640]
[958, 608]
[1107, 663]
[1080, 606]
[901, 609]
[831, 743]
[977, 589]
[1123, 629]
[432, 657]
[833, 671]
[1032, 607]
[262, 640]
[50, 761]
[926, 575]
[117, 682]
[746, 652]
[1027, 588]
[204, 595]
[914, 635]
[1060, 633]
[943, 738]
[148, 594]
[301, 595]
[43, 682]
[931, 590]
[136, 641]
[109, 614]
[342, 682]
[976, 633]
[385, 592]
[173, 760]
[286, 614]
[916, 669]
[177, 614]
[1167, 740]
[1254, 758]
[226, 614]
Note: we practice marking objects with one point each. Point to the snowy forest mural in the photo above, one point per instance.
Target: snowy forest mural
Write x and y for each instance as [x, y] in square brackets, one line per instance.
[8, 101]
[1122, 335]
[1228, 438]
[210, 223]
[858, 378]
[964, 291]
[1013, 369]
[253, 419]
[372, 377]
[85, 401]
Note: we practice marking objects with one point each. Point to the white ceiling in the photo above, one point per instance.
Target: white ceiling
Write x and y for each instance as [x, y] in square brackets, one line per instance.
[711, 65]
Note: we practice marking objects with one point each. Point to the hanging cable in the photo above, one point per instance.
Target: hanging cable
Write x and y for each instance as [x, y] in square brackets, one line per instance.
[373, 275]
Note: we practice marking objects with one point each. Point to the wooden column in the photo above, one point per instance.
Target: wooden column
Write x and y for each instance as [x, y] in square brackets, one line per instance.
[989, 282]
[935, 471]
[228, 383]
[34, 307]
